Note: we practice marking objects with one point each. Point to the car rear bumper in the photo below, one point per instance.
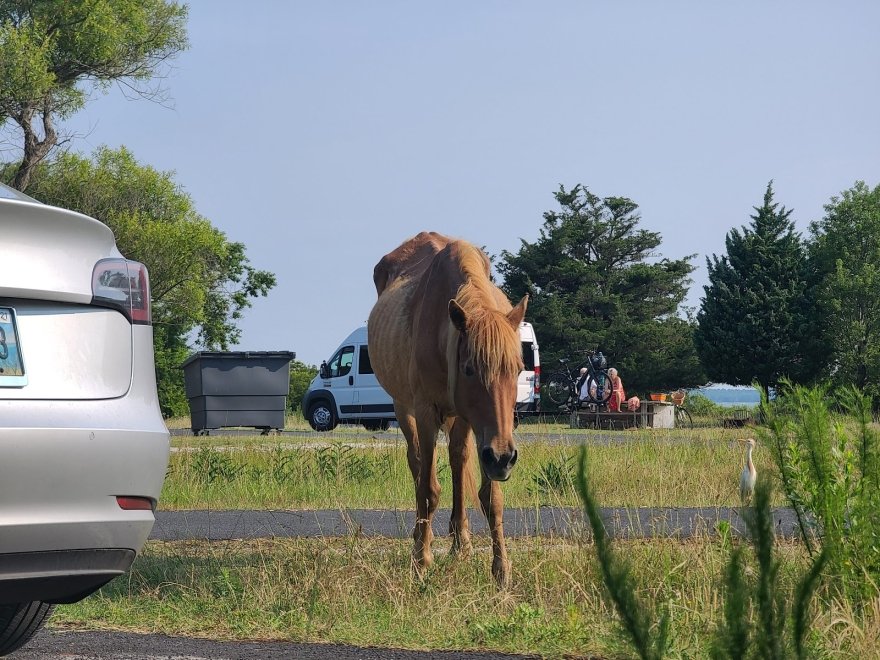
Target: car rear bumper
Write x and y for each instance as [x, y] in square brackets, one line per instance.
[62, 576]
[59, 487]
[63, 465]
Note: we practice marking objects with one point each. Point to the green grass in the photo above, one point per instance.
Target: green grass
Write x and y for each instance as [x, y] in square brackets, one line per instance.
[357, 469]
[362, 591]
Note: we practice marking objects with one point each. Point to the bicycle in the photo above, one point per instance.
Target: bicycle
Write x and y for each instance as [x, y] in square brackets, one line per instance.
[683, 419]
[563, 387]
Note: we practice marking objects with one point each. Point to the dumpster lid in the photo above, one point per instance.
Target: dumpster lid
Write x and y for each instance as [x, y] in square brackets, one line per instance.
[238, 355]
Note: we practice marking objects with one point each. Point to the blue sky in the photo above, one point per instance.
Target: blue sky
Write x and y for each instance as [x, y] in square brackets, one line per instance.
[321, 134]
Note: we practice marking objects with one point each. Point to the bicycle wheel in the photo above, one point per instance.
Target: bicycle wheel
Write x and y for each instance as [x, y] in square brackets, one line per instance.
[683, 419]
[593, 389]
[558, 388]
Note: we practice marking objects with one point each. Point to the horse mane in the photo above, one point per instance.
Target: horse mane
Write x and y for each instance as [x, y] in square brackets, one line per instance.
[493, 343]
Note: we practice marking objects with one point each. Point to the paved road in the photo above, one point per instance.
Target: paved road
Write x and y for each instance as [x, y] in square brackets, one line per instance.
[51, 645]
[544, 521]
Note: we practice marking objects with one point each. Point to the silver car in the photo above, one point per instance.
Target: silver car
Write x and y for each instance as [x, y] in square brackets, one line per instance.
[83, 447]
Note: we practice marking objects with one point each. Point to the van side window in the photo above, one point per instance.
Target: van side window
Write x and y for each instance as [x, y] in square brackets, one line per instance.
[340, 364]
[364, 366]
[528, 356]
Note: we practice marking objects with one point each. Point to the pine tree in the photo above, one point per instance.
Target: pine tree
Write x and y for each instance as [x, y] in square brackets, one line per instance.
[593, 283]
[753, 322]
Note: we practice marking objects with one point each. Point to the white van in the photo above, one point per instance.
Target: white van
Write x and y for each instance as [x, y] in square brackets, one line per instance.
[528, 399]
[346, 390]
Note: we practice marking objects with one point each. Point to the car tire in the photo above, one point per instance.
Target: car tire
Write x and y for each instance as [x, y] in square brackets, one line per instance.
[376, 424]
[19, 622]
[321, 416]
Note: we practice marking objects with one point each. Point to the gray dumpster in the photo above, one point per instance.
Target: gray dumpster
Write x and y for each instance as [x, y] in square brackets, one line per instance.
[237, 388]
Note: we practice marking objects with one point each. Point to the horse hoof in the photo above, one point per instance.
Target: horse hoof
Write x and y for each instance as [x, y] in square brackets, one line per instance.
[422, 561]
[462, 550]
[461, 543]
[501, 572]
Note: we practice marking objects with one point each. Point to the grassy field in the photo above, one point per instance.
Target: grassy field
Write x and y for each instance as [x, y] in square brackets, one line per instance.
[362, 591]
[352, 468]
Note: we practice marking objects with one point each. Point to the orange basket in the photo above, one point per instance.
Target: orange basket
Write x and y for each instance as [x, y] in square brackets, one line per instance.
[658, 397]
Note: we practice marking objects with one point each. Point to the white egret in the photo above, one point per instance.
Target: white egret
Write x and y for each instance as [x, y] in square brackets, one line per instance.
[749, 474]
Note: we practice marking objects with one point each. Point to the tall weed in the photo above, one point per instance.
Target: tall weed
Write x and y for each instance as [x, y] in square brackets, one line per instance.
[827, 454]
[756, 620]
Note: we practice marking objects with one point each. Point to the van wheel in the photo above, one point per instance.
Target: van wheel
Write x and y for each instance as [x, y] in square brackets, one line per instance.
[376, 425]
[321, 416]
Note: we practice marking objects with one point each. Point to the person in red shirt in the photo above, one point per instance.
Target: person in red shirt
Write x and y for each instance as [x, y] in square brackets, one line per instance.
[618, 396]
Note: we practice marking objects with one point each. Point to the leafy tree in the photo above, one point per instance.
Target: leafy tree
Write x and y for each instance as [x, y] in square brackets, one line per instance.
[200, 281]
[53, 52]
[301, 375]
[593, 282]
[753, 323]
[845, 256]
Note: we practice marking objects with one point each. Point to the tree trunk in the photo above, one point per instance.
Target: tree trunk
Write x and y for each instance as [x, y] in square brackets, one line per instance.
[35, 150]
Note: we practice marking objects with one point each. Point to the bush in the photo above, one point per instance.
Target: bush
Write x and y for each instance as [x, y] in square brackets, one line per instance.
[301, 375]
[699, 404]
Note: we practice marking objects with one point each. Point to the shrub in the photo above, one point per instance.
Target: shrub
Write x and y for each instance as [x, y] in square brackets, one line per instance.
[830, 468]
[756, 619]
[702, 405]
[301, 375]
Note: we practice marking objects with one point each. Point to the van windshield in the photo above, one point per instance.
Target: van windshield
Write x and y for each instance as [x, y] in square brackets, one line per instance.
[528, 356]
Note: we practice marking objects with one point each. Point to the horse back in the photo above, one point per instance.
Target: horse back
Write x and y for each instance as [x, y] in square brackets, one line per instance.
[410, 259]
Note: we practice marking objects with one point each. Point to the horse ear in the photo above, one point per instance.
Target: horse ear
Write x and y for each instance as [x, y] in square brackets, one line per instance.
[457, 316]
[518, 313]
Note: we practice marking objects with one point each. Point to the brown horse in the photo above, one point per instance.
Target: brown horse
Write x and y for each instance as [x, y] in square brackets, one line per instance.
[444, 343]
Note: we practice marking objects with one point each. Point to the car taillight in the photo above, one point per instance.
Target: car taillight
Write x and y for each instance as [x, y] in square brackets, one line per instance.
[537, 381]
[134, 503]
[123, 285]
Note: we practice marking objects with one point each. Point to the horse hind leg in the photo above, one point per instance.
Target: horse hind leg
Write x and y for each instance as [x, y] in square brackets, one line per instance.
[427, 489]
[407, 423]
[492, 502]
[462, 486]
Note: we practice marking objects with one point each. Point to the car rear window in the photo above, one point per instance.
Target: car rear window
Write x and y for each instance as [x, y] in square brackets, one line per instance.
[11, 193]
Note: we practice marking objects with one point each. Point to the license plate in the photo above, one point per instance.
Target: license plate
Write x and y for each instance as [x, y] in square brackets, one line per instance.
[12, 372]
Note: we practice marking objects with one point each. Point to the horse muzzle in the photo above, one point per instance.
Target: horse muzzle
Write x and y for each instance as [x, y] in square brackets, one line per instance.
[498, 466]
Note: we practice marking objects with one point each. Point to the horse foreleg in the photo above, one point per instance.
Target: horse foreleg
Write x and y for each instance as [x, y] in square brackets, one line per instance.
[427, 489]
[492, 502]
[462, 486]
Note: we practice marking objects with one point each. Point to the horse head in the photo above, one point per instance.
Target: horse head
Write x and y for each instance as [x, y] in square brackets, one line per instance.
[483, 380]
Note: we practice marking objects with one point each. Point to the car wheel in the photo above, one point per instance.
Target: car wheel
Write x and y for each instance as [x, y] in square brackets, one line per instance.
[321, 416]
[19, 622]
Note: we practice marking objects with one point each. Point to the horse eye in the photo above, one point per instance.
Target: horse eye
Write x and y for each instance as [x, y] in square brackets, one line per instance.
[468, 370]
